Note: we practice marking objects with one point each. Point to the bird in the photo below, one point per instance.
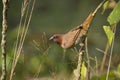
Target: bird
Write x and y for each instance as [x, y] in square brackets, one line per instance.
[75, 35]
[66, 40]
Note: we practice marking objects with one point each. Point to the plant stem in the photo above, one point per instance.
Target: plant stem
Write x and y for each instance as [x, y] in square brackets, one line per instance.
[111, 52]
[3, 41]
[105, 54]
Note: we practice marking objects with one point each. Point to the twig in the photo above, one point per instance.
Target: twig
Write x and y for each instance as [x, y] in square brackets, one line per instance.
[19, 45]
[23, 9]
[83, 32]
[100, 50]
[96, 67]
[105, 55]
[111, 52]
[88, 60]
[79, 66]
[3, 41]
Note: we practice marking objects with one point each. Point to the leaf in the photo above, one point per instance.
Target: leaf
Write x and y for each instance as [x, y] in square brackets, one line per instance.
[105, 6]
[83, 72]
[114, 16]
[109, 33]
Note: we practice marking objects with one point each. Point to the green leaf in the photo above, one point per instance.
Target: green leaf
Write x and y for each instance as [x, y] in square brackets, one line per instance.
[114, 16]
[105, 6]
[109, 33]
[83, 72]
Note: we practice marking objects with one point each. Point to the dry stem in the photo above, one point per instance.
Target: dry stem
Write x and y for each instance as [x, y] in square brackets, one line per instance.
[19, 44]
[3, 41]
[79, 66]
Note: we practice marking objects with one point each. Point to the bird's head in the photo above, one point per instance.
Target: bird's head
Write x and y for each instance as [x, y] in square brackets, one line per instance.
[56, 38]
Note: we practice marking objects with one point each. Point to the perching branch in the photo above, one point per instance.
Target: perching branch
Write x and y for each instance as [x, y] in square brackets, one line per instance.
[88, 60]
[85, 26]
[3, 41]
[79, 66]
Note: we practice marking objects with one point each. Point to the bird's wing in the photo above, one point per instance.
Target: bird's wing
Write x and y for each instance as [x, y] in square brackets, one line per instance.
[78, 27]
[70, 38]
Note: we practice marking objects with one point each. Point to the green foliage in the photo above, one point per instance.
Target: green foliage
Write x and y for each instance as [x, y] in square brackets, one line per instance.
[51, 18]
[117, 72]
[113, 75]
[105, 6]
[83, 72]
[114, 16]
[109, 33]
[95, 78]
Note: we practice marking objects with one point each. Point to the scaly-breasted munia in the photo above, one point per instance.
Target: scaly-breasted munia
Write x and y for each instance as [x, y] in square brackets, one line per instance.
[74, 36]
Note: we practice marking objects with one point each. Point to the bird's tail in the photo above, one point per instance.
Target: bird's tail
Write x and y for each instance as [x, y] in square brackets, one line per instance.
[88, 20]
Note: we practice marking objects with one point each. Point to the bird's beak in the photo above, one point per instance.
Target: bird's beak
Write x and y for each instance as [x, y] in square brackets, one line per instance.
[51, 38]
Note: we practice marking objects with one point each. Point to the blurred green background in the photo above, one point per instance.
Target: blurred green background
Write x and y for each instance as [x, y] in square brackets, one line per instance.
[49, 17]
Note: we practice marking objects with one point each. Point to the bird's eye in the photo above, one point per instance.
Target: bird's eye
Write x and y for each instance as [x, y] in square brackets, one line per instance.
[55, 37]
